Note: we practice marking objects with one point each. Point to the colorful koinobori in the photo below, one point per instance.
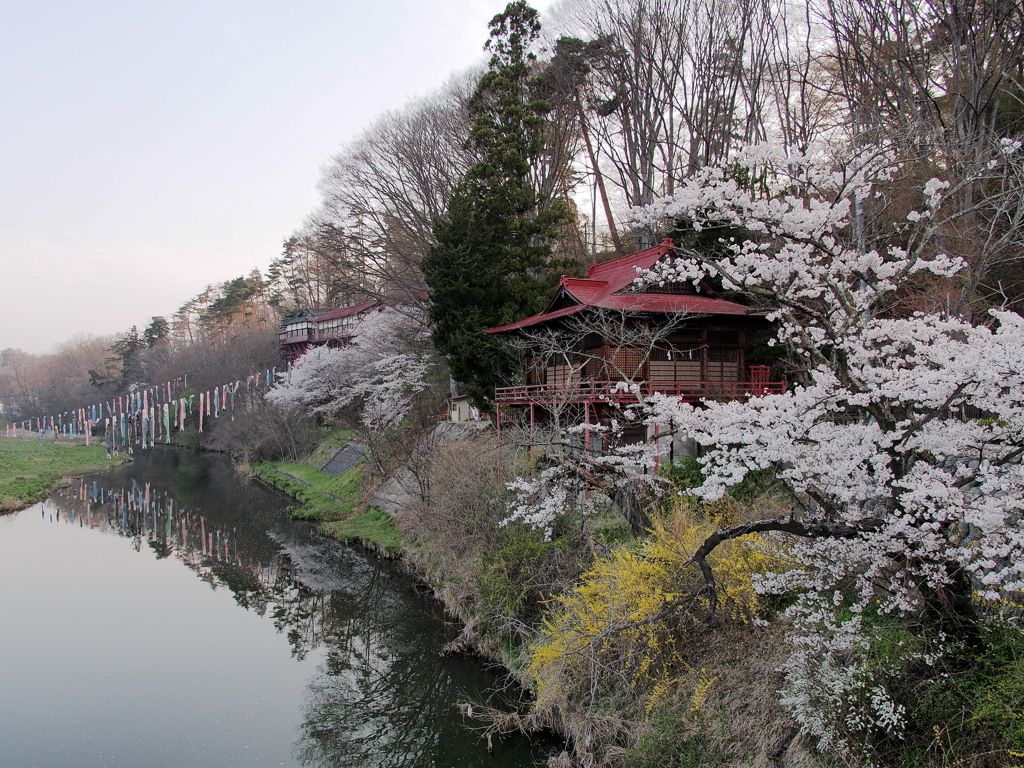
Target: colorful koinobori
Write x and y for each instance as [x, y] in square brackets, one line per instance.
[141, 513]
[147, 414]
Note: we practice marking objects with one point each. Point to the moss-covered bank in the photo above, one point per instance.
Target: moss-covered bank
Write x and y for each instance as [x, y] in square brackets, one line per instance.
[335, 502]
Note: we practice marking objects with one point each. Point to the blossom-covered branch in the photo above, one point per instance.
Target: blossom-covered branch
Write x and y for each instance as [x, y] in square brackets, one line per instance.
[375, 377]
[900, 448]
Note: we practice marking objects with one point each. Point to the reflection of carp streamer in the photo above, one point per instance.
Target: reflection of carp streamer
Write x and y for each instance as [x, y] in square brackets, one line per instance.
[268, 585]
[140, 513]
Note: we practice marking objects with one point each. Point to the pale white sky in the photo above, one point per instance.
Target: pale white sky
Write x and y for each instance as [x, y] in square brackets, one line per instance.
[150, 147]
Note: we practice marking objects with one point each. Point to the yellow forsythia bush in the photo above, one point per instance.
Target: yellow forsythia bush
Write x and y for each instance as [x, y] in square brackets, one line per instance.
[617, 638]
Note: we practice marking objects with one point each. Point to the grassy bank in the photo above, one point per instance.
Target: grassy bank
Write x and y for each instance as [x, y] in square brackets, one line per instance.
[335, 502]
[29, 470]
[370, 528]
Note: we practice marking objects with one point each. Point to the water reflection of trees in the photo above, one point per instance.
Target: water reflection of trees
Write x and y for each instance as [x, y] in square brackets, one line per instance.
[384, 696]
[381, 696]
[260, 577]
[374, 706]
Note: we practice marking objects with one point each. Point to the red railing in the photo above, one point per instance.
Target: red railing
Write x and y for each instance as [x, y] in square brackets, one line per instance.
[623, 392]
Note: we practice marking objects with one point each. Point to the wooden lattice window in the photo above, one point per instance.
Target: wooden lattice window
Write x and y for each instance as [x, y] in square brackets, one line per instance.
[627, 362]
[723, 365]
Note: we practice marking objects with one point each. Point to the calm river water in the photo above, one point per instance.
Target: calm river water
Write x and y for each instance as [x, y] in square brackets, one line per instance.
[170, 614]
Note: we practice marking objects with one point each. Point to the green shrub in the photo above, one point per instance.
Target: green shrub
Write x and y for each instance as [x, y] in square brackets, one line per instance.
[665, 743]
[687, 473]
[372, 528]
[511, 582]
[969, 709]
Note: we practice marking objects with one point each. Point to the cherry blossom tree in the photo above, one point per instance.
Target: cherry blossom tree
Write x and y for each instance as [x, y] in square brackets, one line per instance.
[371, 384]
[900, 447]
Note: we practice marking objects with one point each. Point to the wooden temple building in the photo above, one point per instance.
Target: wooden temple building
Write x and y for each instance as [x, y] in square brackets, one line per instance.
[319, 328]
[619, 341]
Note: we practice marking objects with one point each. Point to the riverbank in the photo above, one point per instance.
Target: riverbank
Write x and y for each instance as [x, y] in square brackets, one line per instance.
[661, 688]
[442, 553]
[30, 469]
[500, 582]
[335, 503]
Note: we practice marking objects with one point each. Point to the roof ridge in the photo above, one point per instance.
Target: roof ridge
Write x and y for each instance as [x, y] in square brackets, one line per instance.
[618, 262]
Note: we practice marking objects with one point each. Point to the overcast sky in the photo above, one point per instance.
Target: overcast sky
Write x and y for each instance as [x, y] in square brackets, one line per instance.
[150, 148]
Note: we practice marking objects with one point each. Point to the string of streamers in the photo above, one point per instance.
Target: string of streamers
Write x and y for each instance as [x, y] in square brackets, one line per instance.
[144, 415]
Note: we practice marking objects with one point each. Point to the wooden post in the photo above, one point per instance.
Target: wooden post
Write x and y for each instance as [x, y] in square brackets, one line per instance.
[657, 447]
[586, 432]
[497, 426]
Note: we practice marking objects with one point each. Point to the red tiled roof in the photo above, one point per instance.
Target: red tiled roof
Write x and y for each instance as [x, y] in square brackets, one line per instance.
[603, 286]
[334, 314]
[671, 303]
[623, 270]
[538, 318]
[584, 290]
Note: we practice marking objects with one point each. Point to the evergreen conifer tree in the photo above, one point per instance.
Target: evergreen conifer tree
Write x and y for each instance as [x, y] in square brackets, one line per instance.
[492, 262]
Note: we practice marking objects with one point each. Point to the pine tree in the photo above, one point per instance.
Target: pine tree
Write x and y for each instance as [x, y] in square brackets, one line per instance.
[156, 332]
[492, 262]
